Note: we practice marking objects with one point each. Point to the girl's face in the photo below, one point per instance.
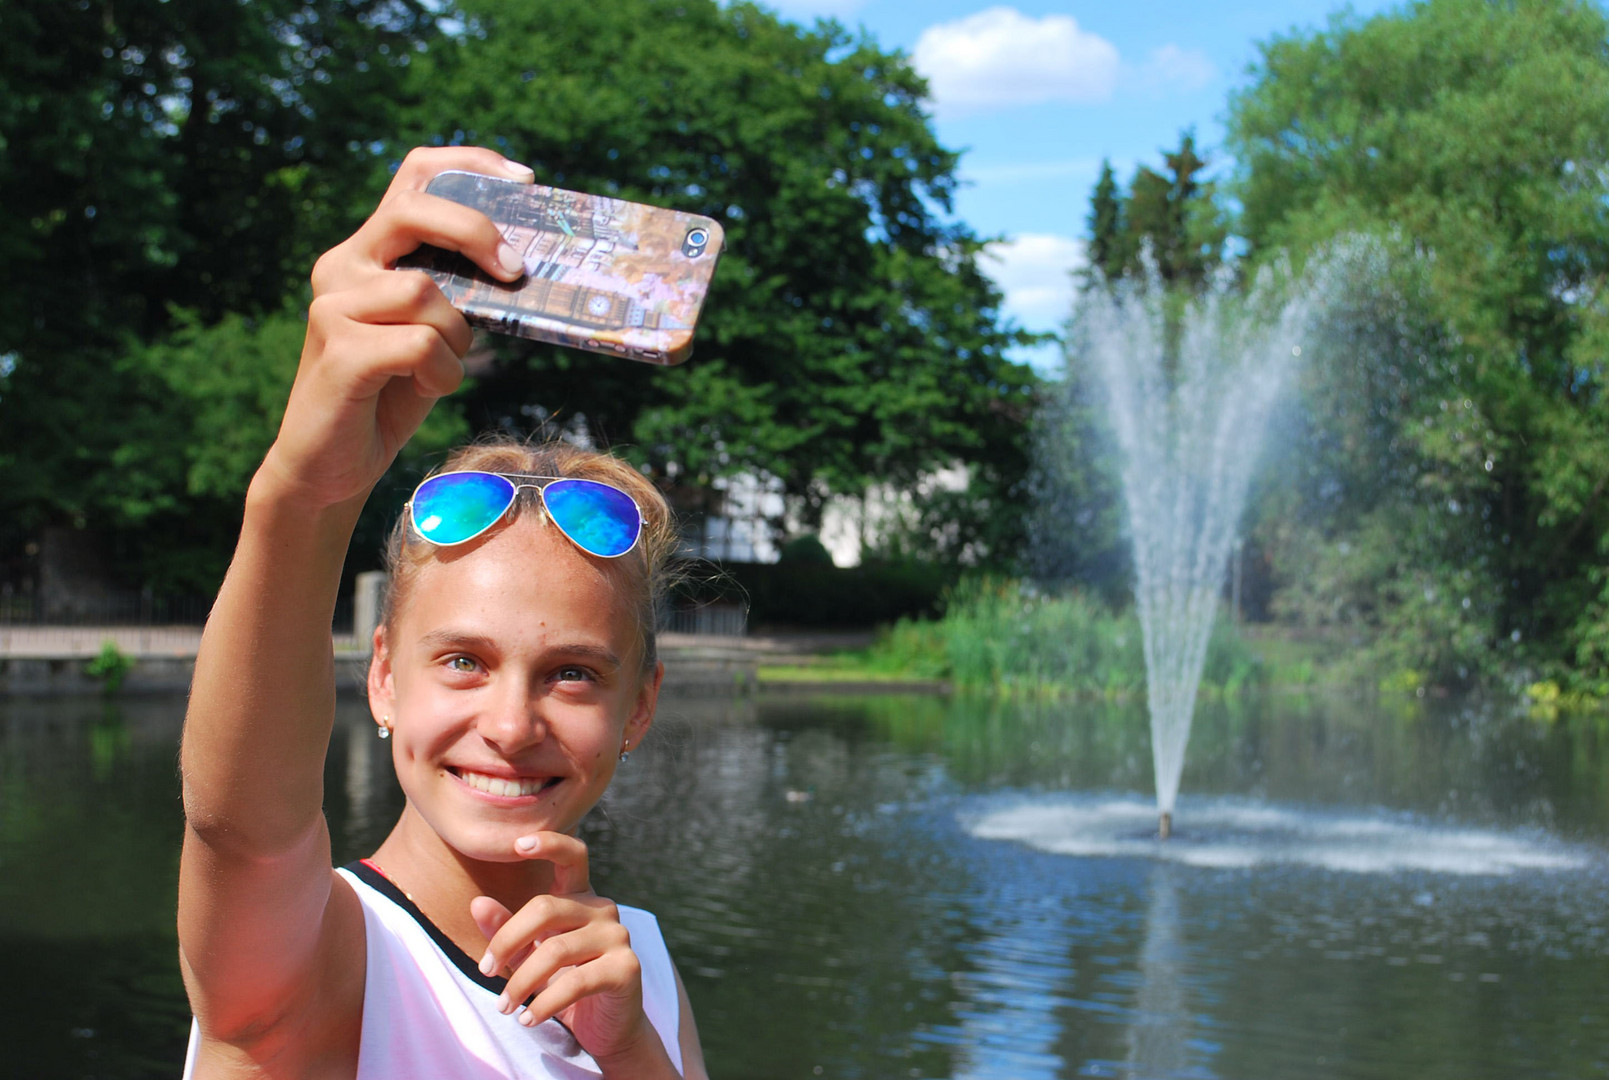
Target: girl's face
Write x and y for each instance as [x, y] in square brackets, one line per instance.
[512, 679]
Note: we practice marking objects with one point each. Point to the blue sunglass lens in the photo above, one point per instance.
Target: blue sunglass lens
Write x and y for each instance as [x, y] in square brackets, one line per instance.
[596, 517]
[454, 507]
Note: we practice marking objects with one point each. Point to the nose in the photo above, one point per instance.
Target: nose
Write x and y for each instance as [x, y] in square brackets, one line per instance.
[513, 718]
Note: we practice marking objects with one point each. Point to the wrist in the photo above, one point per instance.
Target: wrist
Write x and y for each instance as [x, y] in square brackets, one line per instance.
[277, 495]
[642, 1057]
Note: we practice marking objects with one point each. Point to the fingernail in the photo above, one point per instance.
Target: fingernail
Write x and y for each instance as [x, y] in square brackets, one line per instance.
[504, 1005]
[488, 963]
[510, 260]
[528, 1018]
[518, 171]
[525, 844]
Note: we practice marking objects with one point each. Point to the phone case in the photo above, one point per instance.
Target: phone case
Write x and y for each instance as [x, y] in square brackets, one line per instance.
[601, 274]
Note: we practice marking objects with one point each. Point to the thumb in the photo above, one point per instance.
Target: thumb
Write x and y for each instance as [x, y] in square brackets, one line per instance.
[489, 915]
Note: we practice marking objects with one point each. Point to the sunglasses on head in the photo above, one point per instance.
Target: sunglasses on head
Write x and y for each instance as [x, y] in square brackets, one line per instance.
[455, 507]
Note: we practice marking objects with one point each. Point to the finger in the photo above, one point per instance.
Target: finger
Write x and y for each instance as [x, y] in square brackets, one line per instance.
[567, 854]
[560, 952]
[402, 297]
[414, 351]
[411, 218]
[490, 917]
[424, 162]
[539, 919]
[617, 972]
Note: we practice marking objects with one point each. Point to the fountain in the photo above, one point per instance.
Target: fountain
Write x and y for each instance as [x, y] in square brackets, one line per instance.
[1188, 394]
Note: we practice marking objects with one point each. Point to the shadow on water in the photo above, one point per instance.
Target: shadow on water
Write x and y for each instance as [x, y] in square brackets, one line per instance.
[819, 870]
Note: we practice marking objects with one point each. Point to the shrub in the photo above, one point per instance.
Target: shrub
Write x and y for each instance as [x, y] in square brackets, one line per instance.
[109, 667]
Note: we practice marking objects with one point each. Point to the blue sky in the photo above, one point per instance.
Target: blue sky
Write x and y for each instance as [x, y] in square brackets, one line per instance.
[1037, 94]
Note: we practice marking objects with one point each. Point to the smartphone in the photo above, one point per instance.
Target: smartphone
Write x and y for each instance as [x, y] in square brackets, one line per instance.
[605, 275]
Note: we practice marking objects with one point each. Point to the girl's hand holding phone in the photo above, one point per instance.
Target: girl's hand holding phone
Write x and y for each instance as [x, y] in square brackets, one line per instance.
[568, 949]
[383, 344]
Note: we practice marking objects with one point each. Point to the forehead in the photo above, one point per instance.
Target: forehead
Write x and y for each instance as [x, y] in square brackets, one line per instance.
[524, 574]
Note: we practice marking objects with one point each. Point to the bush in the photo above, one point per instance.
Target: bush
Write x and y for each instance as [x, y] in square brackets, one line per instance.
[806, 549]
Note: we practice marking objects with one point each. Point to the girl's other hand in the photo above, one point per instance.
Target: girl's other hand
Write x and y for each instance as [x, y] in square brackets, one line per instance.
[568, 949]
[383, 344]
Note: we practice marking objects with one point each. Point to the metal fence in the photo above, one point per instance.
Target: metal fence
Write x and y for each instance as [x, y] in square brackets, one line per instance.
[30, 608]
[716, 620]
[138, 624]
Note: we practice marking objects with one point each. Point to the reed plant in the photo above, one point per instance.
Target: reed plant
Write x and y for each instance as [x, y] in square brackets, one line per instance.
[1008, 637]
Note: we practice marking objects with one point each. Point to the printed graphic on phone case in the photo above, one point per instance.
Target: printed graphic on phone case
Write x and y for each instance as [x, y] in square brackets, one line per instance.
[602, 274]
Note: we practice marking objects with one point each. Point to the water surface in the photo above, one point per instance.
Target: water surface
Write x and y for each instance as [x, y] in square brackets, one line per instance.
[902, 886]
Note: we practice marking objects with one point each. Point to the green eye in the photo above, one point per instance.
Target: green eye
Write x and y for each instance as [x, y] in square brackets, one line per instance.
[461, 663]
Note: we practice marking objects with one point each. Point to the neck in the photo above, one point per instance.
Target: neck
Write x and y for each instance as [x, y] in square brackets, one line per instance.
[442, 880]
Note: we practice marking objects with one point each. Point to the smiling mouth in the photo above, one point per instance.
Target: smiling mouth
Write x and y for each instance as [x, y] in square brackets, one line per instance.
[508, 789]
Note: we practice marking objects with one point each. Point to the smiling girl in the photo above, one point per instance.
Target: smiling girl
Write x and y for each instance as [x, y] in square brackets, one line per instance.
[512, 672]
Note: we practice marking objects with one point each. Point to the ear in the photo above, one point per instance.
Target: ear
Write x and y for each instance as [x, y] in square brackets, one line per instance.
[642, 712]
[381, 688]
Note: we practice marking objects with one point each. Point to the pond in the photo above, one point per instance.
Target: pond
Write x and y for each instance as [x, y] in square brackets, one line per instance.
[906, 886]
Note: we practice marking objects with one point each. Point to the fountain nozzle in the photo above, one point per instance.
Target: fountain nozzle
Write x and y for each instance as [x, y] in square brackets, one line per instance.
[1164, 828]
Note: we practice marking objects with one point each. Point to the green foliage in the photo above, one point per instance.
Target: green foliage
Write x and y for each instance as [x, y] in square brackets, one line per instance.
[1002, 637]
[172, 167]
[805, 550]
[110, 667]
[1076, 523]
[161, 156]
[1166, 224]
[1457, 443]
[850, 337]
[1169, 217]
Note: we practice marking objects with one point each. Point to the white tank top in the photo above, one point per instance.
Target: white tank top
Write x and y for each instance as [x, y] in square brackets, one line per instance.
[429, 1013]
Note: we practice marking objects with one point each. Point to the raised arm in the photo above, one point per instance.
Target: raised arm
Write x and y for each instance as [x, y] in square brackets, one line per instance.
[266, 944]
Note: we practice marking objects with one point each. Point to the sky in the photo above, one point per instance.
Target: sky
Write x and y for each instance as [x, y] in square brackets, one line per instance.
[1036, 95]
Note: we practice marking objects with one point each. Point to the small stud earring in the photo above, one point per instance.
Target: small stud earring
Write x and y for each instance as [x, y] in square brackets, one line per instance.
[385, 727]
[624, 754]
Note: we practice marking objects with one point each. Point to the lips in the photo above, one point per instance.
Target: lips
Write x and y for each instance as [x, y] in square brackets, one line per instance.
[505, 787]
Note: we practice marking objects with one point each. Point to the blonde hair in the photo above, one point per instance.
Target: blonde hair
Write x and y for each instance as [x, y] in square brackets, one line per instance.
[644, 573]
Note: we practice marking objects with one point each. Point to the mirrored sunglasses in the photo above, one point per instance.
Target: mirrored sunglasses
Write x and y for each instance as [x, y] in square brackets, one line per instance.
[455, 507]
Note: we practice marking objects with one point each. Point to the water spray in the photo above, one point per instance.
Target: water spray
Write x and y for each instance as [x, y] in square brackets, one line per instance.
[1189, 396]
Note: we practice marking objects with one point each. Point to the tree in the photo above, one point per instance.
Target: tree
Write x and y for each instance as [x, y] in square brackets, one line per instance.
[1473, 137]
[1107, 249]
[1171, 215]
[163, 157]
[850, 337]
[1168, 223]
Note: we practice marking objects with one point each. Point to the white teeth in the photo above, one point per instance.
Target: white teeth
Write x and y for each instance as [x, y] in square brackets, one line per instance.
[496, 785]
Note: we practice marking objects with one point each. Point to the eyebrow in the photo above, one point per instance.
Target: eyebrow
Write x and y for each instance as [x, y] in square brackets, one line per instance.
[464, 639]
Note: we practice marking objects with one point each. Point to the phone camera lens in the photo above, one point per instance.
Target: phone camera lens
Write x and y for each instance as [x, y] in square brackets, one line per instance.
[696, 240]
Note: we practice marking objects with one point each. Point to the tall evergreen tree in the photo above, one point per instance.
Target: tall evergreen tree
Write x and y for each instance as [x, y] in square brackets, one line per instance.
[1106, 250]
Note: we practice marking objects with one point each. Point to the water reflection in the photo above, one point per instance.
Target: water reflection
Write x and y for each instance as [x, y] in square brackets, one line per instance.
[1159, 1035]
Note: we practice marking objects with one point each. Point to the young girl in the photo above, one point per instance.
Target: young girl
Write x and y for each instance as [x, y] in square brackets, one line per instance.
[513, 671]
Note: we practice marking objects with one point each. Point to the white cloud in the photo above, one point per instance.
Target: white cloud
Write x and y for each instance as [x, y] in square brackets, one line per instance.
[1035, 270]
[1028, 172]
[1173, 68]
[1002, 57]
